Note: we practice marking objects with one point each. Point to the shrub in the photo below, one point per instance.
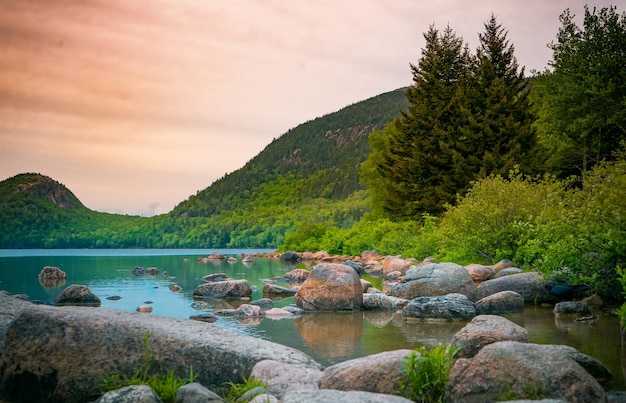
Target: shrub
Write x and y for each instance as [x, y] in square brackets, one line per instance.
[427, 373]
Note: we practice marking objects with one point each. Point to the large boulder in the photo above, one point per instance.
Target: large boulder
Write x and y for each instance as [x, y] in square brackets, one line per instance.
[10, 308]
[522, 371]
[487, 329]
[64, 353]
[224, 289]
[529, 285]
[377, 373]
[331, 287]
[79, 295]
[281, 377]
[500, 303]
[451, 306]
[435, 279]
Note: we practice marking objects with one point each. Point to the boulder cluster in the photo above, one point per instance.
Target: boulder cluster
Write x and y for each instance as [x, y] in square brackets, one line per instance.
[63, 353]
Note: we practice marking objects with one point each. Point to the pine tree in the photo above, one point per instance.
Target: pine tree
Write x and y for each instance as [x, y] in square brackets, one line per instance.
[418, 167]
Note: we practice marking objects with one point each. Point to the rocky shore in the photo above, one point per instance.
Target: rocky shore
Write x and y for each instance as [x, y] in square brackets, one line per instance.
[62, 353]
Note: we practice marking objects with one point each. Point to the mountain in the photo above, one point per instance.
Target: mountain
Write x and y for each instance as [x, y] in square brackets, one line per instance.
[308, 175]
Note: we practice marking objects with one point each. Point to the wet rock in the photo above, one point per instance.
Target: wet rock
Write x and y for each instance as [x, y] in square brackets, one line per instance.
[264, 303]
[331, 287]
[144, 309]
[500, 303]
[205, 317]
[141, 271]
[296, 275]
[275, 291]
[224, 289]
[571, 308]
[290, 257]
[451, 306]
[247, 310]
[51, 277]
[281, 378]
[487, 329]
[522, 371]
[435, 279]
[278, 313]
[378, 373]
[79, 295]
[215, 277]
[175, 287]
[380, 302]
[114, 298]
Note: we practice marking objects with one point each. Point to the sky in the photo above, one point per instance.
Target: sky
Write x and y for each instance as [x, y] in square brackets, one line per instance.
[137, 105]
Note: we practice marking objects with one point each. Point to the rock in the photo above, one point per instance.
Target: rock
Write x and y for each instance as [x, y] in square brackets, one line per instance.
[150, 271]
[10, 308]
[487, 329]
[354, 265]
[79, 295]
[293, 309]
[508, 271]
[370, 255]
[224, 289]
[264, 398]
[379, 302]
[131, 394]
[394, 275]
[528, 285]
[451, 306]
[62, 354]
[521, 371]
[205, 317]
[247, 260]
[216, 256]
[503, 264]
[373, 268]
[278, 313]
[264, 303]
[281, 378]
[378, 373]
[500, 303]
[248, 311]
[231, 259]
[296, 275]
[175, 287]
[144, 309]
[573, 308]
[290, 257]
[435, 279]
[366, 285]
[209, 278]
[395, 263]
[52, 277]
[479, 273]
[339, 396]
[276, 291]
[196, 393]
[114, 298]
[331, 287]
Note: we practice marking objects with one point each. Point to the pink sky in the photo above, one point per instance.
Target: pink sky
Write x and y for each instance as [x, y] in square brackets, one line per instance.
[136, 105]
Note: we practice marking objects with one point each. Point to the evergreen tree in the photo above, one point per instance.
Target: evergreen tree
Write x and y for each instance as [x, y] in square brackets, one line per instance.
[498, 135]
[582, 101]
[418, 166]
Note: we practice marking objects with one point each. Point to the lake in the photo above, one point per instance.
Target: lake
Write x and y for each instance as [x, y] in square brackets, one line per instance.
[327, 337]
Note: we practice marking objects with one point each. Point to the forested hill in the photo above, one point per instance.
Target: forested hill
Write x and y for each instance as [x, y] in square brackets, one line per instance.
[308, 175]
[326, 151]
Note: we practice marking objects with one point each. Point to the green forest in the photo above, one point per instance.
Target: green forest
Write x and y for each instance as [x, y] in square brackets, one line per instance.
[476, 161]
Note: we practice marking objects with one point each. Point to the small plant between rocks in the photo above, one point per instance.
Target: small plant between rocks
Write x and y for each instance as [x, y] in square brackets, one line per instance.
[427, 373]
[246, 391]
[164, 384]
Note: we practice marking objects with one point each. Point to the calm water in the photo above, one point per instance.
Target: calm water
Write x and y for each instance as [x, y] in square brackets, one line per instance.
[327, 337]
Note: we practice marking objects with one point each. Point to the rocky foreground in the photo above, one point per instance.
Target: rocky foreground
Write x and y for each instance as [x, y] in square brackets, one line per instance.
[62, 353]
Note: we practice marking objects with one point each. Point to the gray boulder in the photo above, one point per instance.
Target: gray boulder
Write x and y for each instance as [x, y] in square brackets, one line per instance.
[275, 291]
[290, 257]
[574, 308]
[131, 394]
[508, 271]
[487, 329]
[331, 287]
[451, 306]
[435, 279]
[528, 285]
[78, 295]
[522, 371]
[339, 396]
[224, 289]
[51, 277]
[378, 302]
[377, 373]
[10, 308]
[62, 354]
[281, 377]
[196, 393]
[500, 303]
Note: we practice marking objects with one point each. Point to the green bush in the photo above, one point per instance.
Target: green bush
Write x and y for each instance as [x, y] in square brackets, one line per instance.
[427, 373]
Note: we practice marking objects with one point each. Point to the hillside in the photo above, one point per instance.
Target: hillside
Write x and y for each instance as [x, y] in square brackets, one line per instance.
[307, 175]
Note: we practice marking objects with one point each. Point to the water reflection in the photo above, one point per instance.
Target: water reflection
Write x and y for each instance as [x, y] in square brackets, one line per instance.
[333, 334]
